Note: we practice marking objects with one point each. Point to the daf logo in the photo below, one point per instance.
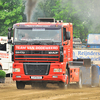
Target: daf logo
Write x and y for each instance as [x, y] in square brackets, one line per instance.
[53, 52]
[20, 52]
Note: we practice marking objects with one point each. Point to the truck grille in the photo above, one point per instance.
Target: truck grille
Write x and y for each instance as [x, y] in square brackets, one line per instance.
[36, 56]
[36, 68]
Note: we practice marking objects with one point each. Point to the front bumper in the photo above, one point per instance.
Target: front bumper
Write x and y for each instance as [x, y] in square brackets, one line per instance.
[52, 76]
[45, 78]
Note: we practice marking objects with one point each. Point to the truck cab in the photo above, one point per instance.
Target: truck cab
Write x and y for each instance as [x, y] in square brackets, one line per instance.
[42, 52]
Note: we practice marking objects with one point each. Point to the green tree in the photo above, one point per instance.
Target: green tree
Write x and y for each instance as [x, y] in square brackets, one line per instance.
[82, 13]
[65, 11]
[11, 11]
[44, 9]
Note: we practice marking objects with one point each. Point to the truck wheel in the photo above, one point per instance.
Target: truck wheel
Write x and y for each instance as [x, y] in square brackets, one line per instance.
[20, 85]
[79, 84]
[63, 85]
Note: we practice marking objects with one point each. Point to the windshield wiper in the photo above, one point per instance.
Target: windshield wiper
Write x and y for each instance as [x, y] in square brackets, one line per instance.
[37, 42]
[42, 41]
[21, 42]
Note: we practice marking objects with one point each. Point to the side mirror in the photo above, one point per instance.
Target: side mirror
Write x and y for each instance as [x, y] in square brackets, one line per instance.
[9, 33]
[68, 35]
[9, 41]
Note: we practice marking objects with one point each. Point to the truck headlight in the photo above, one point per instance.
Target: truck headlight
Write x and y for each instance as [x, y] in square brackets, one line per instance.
[16, 70]
[57, 70]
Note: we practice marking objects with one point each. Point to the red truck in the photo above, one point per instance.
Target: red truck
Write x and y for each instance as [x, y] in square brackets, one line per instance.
[44, 55]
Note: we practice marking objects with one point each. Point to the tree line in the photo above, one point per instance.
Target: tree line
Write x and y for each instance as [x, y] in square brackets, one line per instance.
[84, 14]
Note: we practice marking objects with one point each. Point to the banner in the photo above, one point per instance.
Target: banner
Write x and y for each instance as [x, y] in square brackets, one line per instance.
[93, 54]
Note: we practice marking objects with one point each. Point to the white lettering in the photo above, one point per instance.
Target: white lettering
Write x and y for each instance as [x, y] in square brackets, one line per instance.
[46, 48]
[20, 47]
[36, 48]
[30, 48]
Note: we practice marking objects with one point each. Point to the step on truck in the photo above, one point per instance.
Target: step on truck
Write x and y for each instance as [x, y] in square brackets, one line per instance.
[43, 53]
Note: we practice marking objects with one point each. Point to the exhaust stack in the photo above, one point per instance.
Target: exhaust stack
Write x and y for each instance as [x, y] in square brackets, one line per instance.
[46, 20]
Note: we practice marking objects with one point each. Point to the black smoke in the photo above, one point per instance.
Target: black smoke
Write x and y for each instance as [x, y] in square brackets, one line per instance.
[29, 8]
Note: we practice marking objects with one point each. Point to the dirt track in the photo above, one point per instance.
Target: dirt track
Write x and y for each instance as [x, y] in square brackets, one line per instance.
[8, 91]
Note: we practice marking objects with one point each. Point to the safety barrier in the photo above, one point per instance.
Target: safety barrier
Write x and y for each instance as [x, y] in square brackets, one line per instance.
[95, 75]
[86, 75]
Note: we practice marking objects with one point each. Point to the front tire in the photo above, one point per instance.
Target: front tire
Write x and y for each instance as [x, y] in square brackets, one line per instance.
[63, 85]
[20, 85]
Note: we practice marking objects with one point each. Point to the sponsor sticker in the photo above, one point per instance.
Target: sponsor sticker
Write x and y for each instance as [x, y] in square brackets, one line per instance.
[36, 47]
[4, 55]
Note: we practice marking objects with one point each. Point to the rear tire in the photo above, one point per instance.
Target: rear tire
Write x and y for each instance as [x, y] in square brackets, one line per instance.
[20, 85]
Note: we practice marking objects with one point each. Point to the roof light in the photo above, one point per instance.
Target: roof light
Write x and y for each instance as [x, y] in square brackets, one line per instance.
[56, 25]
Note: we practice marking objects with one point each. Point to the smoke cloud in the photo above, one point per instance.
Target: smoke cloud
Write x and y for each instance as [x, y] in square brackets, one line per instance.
[29, 8]
[88, 13]
[90, 9]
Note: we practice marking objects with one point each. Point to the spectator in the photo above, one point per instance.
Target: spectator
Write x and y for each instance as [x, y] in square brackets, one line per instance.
[96, 40]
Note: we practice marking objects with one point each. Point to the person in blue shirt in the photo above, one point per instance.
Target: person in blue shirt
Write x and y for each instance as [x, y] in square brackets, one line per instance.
[96, 40]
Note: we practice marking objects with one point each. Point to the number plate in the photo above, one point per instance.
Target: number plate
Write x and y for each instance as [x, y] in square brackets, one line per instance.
[36, 77]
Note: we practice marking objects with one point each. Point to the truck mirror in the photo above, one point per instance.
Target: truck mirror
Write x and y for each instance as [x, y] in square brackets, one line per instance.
[68, 35]
[9, 41]
[9, 29]
[9, 33]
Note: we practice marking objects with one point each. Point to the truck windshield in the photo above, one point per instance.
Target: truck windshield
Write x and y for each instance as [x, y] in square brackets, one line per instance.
[93, 39]
[41, 34]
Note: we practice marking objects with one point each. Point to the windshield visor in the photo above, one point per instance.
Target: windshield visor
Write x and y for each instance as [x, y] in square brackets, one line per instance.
[41, 34]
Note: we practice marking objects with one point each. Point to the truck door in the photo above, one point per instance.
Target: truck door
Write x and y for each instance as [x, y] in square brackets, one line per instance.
[67, 45]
